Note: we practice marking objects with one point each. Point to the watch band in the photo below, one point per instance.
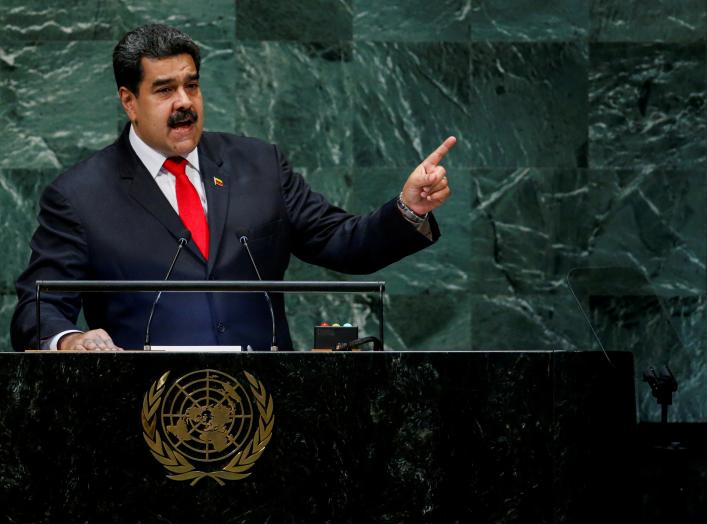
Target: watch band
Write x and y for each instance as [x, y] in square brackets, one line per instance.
[408, 213]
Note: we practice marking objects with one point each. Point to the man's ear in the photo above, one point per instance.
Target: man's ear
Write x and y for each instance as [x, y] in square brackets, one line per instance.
[127, 99]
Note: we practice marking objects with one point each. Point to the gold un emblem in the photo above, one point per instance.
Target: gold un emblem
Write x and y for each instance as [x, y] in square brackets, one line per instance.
[207, 424]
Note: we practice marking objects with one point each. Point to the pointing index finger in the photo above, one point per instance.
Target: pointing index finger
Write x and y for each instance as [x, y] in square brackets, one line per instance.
[438, 154]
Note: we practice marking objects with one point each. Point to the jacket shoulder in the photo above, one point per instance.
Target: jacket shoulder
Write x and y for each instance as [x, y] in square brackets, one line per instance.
[98, 168]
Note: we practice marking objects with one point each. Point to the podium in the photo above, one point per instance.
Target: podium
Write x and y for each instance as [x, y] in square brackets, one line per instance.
[539, 437]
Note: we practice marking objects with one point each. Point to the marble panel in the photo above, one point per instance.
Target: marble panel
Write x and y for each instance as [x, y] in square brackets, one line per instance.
[647, 105]
[529, 20]
[655, 223]
[218, 86]
[60, 100]
[295, 95]
[59, 20]
[648, 20]
[311, 21]
[435, 319]
[525, 241]
[529, 105]
[203, 21]
[19, 203]
[688, 316]
[408, 97]
[70, 20]
[442, 267]
[551, 321]
[412, 20]
[522, 241]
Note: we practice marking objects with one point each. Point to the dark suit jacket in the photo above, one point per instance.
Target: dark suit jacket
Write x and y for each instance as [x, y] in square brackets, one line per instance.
[106, 218]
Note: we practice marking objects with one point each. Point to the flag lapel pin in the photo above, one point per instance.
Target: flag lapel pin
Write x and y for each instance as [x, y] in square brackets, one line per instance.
[218, 182]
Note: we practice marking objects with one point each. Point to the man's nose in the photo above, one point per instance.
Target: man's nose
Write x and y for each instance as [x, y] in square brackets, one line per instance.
[182, 101]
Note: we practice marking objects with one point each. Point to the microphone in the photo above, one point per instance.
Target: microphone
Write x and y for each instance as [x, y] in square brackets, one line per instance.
[184, 238]
[244, 240]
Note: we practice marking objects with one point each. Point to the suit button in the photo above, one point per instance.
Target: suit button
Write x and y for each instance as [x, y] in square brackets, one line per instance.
[220, 327]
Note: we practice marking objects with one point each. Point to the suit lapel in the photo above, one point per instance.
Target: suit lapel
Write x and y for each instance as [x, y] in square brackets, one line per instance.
[217, 187]
[144, 190]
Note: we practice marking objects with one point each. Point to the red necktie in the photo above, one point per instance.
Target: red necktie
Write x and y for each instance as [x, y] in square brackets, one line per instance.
[190, 209]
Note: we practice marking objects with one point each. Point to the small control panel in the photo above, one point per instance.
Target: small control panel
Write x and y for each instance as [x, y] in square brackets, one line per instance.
[327, 336]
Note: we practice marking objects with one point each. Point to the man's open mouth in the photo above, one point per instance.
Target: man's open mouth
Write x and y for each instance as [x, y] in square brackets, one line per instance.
[182, 119]
[181, 125]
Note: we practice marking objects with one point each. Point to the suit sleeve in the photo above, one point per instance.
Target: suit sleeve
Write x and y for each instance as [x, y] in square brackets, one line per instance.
[59, 252]
[333, 238]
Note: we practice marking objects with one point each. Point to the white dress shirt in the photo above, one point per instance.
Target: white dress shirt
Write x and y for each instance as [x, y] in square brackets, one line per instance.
[154, 162]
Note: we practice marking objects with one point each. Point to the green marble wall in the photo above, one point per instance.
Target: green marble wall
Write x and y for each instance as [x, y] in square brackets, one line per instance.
[581, 127]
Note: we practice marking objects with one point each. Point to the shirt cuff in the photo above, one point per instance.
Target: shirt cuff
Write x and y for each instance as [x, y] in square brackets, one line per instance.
[421, 223]
[52, 344]
[425, 229]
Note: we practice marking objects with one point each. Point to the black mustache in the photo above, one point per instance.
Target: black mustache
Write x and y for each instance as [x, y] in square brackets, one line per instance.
[182, 116]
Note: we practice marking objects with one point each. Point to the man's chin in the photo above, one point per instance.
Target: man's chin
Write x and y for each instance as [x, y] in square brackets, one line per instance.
[184, 138]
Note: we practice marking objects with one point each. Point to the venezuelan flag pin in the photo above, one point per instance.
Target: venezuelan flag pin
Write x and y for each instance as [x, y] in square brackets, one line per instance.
[218, 182]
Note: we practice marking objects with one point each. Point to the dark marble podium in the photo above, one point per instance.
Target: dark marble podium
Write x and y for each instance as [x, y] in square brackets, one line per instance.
[535, 437]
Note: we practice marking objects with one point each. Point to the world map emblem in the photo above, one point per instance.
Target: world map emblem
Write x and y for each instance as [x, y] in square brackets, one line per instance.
[207, 424]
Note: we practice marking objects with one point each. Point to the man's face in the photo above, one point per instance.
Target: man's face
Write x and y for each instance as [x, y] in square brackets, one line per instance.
[168, 113]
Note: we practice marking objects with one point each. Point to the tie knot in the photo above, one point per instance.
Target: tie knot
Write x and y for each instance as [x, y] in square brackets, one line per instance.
[176, 165]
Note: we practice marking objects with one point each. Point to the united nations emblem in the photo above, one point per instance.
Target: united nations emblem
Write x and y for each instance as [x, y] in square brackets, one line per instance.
[207, 424]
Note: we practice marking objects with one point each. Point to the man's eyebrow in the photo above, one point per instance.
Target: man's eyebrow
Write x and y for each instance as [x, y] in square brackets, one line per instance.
[162, 81]
[170, 80]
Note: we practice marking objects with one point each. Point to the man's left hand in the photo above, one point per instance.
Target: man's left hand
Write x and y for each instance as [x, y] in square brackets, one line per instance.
[427, 186]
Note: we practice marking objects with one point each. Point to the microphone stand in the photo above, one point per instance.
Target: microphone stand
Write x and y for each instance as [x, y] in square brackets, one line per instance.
[669, 455]
[183, 240]
[273, 345]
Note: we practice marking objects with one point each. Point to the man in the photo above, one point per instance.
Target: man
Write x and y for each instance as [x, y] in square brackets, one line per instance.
[119, 216]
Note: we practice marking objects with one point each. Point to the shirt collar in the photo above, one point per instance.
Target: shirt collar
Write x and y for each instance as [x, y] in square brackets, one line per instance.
[153, 159]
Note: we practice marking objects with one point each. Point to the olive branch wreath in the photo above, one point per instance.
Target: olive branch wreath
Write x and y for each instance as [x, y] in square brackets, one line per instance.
[181, 468]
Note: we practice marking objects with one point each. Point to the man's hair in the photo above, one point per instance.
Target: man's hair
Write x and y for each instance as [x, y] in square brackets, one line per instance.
[151, 41]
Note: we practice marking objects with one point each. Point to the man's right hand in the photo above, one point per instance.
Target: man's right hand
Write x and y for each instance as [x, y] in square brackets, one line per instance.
[94, 340]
